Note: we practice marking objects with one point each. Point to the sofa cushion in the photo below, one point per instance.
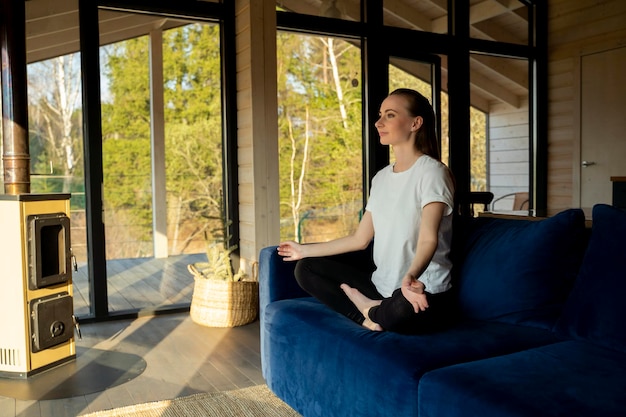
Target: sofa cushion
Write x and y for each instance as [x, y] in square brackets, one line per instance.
[519, 271]
[571, 378]
[323, 364]
[596, 309]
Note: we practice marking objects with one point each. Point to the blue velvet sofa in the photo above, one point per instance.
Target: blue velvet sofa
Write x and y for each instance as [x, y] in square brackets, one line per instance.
[540, 331]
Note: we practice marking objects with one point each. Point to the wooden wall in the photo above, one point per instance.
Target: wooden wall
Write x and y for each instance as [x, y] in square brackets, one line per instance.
[576, 28]
[259, 214]
[508, 157]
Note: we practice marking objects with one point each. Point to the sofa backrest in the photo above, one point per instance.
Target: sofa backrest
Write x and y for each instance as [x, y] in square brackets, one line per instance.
[517, 271]
[596, 308]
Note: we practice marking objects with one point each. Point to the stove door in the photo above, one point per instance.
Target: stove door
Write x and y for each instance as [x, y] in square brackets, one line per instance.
[49, 250]
[51, 321]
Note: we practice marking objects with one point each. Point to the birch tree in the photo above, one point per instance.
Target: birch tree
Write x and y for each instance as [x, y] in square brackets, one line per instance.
[319, 119]
[332, 57]
[297, 190]
[54, 97]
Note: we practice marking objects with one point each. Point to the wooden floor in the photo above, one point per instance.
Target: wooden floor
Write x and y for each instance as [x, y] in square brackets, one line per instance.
[182, 358]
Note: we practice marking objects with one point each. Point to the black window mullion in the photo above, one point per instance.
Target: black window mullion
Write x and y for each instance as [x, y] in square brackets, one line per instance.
[459, 93]
[92, 137]
[230, 170]
[538, 99]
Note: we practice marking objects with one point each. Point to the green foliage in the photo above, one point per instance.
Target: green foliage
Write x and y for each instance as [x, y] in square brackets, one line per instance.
[192, 72]
[127, 68]
[127, 182]
[319, 136]
[478, 150]
[193, 132]
[55, 125]
[219, 265]
[309, 114]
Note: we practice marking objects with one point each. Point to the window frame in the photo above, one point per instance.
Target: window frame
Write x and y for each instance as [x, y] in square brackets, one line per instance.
[222, 14]
[377, 41]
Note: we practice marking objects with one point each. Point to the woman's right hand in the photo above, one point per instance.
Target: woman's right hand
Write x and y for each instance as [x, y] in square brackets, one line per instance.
[290, 250]
[413, 291]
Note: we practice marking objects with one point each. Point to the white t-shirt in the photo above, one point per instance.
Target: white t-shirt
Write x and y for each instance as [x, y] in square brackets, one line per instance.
[395, 203]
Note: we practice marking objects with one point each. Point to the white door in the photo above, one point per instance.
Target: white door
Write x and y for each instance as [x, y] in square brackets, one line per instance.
[603, 124]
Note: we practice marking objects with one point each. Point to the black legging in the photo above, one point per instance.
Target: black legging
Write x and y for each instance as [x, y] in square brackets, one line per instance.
[321, 277]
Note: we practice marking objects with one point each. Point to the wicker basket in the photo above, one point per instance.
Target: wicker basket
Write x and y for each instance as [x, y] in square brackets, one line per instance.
[217, 303]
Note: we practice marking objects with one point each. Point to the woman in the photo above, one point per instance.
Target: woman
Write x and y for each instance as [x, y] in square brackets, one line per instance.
[409, 212]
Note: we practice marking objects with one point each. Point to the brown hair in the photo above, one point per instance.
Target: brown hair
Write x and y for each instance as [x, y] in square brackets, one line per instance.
[418, 105]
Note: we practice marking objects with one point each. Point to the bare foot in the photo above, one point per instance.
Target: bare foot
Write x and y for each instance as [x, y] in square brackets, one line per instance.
[358, 299]
[364, 304]
[369, 324]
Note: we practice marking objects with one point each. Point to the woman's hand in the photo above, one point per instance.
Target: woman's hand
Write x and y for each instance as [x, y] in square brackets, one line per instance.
[413, 291]
[290, 250]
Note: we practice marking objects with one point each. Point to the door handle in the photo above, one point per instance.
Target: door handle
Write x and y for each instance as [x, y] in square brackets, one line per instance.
[586, 164]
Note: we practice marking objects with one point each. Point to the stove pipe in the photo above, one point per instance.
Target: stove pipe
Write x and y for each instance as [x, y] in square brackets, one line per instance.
[15, 152]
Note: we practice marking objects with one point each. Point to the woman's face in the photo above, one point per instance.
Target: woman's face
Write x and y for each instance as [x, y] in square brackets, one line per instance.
[395, 125]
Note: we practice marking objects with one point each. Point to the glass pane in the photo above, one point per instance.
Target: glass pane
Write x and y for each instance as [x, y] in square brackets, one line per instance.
[56, 151]
[500, 21]
[56, 126]
[478, 150]
[337, 9]
[500, 158]
[320, 136]
[424, 15]
[162, 167]
[405, 73]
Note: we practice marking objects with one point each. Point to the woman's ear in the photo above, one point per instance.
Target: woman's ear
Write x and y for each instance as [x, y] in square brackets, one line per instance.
[417, 123]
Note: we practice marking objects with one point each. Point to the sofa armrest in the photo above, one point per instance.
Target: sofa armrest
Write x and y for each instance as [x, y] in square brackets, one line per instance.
[276, 278]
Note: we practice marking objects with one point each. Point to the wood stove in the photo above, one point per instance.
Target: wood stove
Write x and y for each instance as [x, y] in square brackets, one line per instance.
[36, 300]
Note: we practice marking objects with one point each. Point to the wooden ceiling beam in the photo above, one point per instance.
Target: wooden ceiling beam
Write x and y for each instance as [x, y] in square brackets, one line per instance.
[494, 90]
[44, 9]
[489, 9]
[502, 67]
[409, 15]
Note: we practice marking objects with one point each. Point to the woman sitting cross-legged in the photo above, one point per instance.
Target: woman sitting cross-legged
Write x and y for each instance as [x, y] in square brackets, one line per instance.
[406, 289]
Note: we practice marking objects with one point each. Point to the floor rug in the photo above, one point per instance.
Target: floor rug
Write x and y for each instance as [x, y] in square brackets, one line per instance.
[246, 402]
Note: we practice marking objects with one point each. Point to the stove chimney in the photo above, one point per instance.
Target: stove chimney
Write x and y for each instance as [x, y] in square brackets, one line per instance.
[15, 152]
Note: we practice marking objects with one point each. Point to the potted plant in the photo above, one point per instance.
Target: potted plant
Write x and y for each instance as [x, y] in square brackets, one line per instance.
[221, 296]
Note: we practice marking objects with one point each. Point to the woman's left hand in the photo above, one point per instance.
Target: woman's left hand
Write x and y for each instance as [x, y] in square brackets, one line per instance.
[413, 291]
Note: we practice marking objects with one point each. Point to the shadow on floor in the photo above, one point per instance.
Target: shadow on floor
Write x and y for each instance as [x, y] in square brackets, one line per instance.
[94, 370]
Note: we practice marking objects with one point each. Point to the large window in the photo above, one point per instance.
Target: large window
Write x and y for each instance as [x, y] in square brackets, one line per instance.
[486, 51]
[56, 150]
[501, 158]
[162, 160]
[320, 136]
[190, 140]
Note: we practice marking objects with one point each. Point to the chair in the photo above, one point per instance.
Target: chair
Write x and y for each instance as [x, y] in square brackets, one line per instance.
[520, 201]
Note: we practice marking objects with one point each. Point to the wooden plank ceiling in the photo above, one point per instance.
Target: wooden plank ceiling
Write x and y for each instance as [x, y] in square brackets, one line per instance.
[52, 30]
